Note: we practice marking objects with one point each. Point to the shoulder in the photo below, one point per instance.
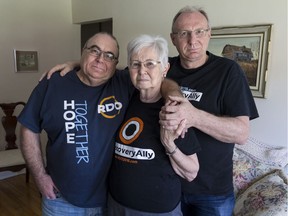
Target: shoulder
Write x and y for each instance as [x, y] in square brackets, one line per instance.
[121, 76]
[215, 58]
[225, 64]
[57, 81]
[173, 60]
[122, 72]
[57, 76]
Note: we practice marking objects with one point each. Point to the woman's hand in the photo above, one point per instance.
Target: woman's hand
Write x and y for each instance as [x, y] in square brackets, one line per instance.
[168, 136]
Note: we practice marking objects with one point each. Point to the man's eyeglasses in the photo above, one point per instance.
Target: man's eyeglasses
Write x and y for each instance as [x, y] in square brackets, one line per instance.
[149, 64]
[199, 33]
[95, 51]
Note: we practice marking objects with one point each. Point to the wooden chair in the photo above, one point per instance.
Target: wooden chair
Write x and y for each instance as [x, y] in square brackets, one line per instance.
[11, 158]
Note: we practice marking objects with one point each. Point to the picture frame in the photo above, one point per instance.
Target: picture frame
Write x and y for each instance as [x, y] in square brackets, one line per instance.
[25, 61]
[249, 46]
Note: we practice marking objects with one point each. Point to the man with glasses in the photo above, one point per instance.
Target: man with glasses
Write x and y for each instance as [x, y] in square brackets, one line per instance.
[80, 113]
[219, 106]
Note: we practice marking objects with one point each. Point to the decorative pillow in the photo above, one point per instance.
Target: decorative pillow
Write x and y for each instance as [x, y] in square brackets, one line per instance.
[270, 155]
[268, 196]
[247, 170]
[254, 160]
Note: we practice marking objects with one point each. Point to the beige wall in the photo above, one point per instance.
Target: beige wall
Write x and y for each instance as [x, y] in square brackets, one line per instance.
[45, 26]
[132, 17]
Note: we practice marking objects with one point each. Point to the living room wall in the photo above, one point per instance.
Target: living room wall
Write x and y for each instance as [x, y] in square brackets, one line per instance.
[131, 18]
[37, 25]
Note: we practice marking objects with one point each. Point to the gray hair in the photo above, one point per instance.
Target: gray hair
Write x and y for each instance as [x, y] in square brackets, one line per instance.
[190, 9]
[158, 43]
[108, 34]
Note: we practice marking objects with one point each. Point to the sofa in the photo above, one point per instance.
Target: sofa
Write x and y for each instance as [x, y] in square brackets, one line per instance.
[260, 179]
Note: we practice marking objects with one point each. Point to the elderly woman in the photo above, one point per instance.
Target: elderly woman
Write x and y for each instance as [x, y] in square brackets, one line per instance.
[148, 160]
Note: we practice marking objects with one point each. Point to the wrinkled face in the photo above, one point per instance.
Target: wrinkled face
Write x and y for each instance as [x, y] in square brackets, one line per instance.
[192, 38]
[99, 59]
[146, 71]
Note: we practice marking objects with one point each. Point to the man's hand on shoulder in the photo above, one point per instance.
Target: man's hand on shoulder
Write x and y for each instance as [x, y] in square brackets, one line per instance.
[62, 68]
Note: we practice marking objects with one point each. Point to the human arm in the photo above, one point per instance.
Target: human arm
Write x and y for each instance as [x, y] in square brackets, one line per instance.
[63, 68]
[223, 128]
[170, 88]
[31, 149]
[186, 166]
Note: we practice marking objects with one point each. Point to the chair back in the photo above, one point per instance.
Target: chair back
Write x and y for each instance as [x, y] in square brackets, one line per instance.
[9, 122]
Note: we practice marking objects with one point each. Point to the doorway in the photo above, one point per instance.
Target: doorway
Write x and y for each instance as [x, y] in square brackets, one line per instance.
[91, 28]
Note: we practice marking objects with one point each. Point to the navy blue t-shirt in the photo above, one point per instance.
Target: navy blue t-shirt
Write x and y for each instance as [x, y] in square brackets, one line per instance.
[218, 87]
[80, 122]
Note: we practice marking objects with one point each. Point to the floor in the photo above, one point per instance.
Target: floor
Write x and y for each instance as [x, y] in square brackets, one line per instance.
[18, 198]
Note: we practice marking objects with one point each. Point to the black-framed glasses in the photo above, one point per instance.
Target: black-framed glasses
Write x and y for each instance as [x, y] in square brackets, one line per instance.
[97, 52]
[199, 33]
[149, 64]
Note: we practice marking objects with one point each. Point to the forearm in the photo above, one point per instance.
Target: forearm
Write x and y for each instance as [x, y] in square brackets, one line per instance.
[225, 129]
[170, 88]
[185, 166]
[31, 149]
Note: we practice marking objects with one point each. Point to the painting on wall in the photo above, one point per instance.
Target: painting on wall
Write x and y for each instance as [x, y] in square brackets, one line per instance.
[25, 61]
[249, 47]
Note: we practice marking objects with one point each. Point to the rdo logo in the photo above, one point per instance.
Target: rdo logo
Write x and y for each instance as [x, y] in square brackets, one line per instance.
[109, 107]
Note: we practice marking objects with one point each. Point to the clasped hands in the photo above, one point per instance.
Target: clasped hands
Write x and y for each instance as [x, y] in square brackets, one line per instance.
[174, 116]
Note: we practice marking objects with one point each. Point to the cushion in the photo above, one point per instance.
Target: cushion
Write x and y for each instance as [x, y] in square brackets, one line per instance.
[254, 160]
[268, 196]
[271, 155]
[247, 170]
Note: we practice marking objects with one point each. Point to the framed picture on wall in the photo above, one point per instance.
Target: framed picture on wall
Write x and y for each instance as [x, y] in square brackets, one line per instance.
[25, 61]
[249, 47]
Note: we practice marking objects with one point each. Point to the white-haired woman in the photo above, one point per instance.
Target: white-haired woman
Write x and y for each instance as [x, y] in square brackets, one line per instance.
[148, 160]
